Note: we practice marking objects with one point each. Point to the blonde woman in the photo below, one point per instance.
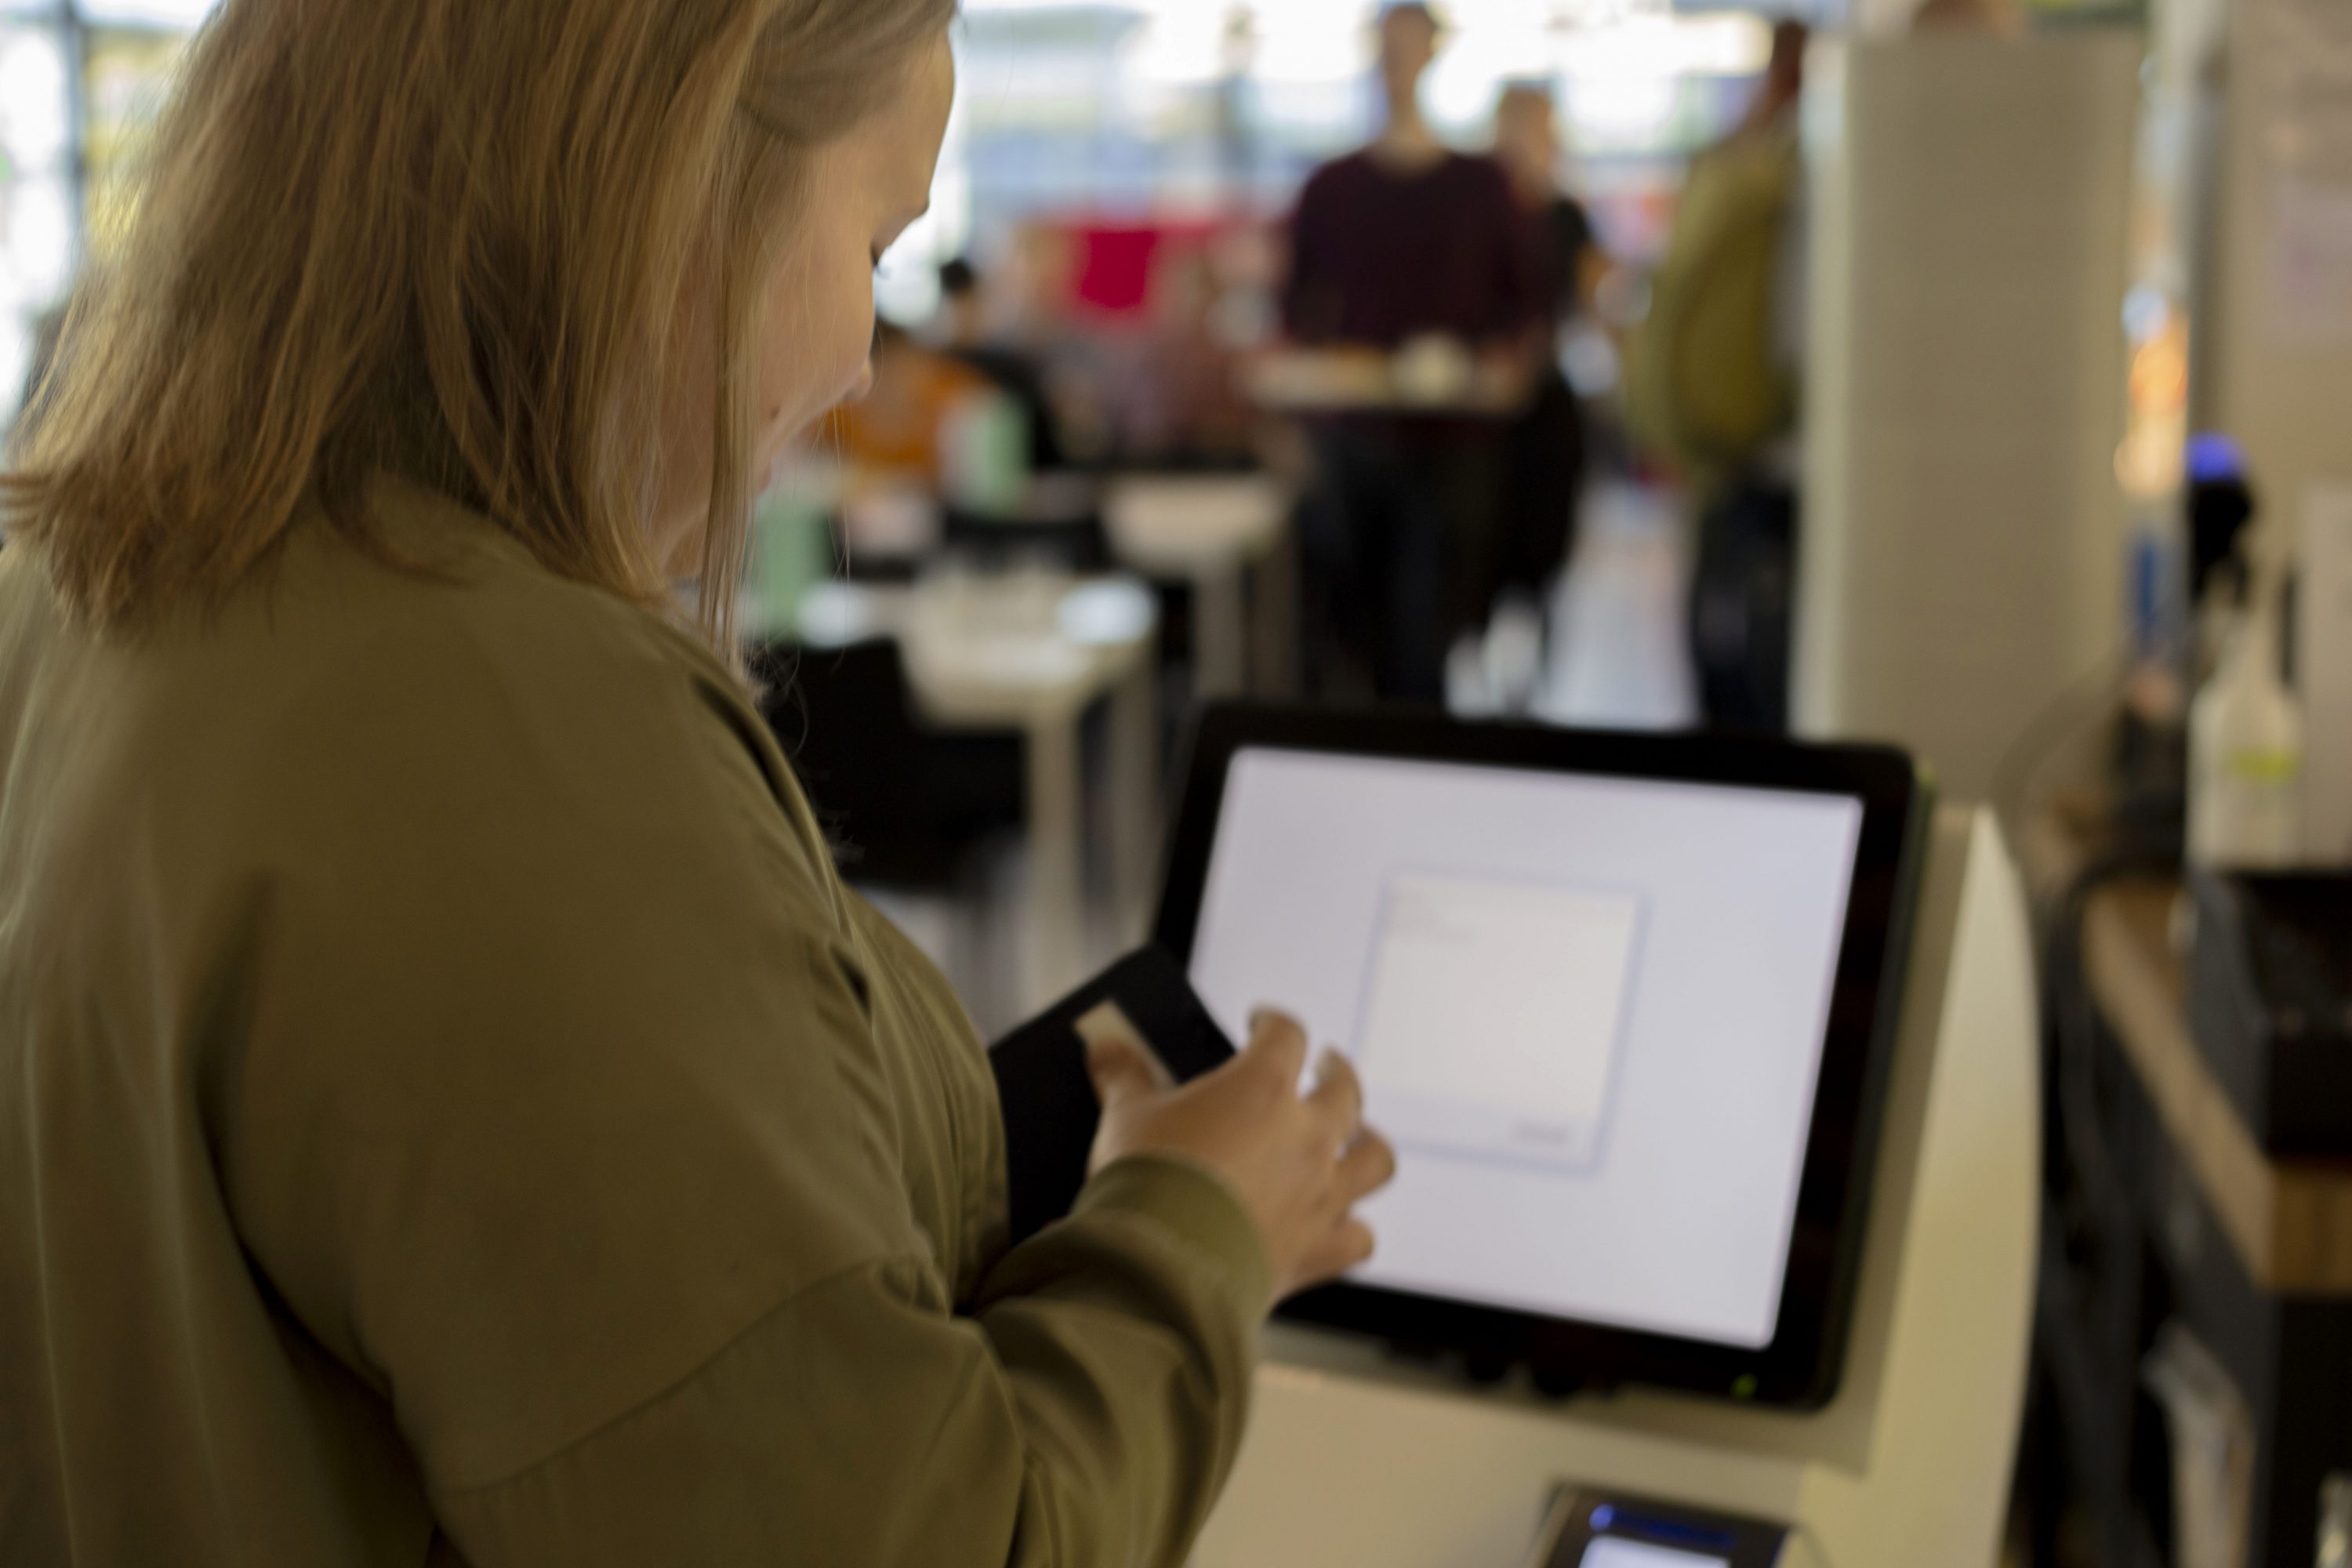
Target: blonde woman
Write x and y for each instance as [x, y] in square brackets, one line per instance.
[450, 1109]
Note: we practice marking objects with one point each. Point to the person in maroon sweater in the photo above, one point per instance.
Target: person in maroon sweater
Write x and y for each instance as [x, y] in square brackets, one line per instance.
[1403, 241]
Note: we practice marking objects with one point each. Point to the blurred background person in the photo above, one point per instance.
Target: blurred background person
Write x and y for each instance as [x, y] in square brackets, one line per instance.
[1547, 452]
[1714, 392]
[1030, 296]
[969, 335]
[900, 430]
[1407, 245]
[1184, 408]
[933, 432]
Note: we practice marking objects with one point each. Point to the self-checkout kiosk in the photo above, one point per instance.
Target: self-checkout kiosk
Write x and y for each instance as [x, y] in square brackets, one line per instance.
[1377, 1440]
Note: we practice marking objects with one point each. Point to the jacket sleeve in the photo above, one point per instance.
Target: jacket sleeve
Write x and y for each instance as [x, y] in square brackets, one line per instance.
[561, 1122]
[1088, 1415]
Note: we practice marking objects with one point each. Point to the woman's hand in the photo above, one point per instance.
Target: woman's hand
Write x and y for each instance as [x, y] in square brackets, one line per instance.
[1300, 1162]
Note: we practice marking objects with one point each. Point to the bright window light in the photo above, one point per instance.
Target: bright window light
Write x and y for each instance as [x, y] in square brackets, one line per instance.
[1311, 42]
[1467, 79]
[16, 363]
[34, 130]
[183, 16]
[1183, 45]
[1727, 43]
[37, 244]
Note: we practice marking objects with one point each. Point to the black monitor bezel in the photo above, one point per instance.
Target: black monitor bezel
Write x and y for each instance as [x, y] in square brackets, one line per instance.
[1801, 1367]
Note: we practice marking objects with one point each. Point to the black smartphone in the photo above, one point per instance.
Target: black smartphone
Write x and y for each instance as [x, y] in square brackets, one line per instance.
[1050, 1111]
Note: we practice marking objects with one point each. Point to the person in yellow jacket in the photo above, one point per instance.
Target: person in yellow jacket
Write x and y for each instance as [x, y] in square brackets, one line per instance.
[1712, 377]
[1713, 391]
[451, 1110]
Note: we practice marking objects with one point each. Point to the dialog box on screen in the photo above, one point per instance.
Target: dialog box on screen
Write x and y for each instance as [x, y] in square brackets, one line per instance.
[1493, 1015]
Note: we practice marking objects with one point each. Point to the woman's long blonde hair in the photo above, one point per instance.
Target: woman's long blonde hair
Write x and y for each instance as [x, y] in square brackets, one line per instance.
[448, 233]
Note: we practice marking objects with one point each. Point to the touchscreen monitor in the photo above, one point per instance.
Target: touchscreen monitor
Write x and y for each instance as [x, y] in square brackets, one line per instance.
[1600, 992]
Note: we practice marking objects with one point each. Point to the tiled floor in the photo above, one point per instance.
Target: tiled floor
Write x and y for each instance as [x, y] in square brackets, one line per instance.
[1619, 659]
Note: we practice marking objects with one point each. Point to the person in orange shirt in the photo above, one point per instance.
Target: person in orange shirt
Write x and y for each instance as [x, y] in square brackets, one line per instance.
[899, 430]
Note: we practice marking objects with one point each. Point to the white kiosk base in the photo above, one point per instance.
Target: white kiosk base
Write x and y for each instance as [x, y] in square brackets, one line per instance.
[1355, 1460]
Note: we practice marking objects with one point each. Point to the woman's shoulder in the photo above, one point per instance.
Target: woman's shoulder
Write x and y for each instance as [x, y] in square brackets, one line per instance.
[424, 576]
[462, 671]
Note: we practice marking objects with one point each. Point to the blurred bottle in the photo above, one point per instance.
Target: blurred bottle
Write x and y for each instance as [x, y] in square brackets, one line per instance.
[2335, 1522]
[792, 545]
[985, 451]
[2245, 747]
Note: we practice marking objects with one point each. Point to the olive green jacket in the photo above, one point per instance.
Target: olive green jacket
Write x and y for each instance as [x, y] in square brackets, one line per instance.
[451, 1111]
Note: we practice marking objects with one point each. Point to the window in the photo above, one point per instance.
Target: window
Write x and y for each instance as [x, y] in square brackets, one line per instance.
[80, 82]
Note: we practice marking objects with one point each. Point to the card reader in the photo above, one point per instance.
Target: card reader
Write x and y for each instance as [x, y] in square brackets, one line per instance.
[1590, 1528]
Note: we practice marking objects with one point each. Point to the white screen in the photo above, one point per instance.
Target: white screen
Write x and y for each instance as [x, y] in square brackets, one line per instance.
[1589, 1011]
[1612, 1552]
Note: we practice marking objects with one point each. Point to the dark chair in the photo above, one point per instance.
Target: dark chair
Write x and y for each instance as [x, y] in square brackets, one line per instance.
[1079, 544]
[847, 565]
[907, 808]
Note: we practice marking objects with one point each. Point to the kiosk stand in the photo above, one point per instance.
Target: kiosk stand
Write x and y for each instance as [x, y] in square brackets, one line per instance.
[1355, 1460]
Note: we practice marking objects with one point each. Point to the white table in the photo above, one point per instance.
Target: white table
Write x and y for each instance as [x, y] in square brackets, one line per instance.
[1032, 654]
[1211, 532]
[1305, 382]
